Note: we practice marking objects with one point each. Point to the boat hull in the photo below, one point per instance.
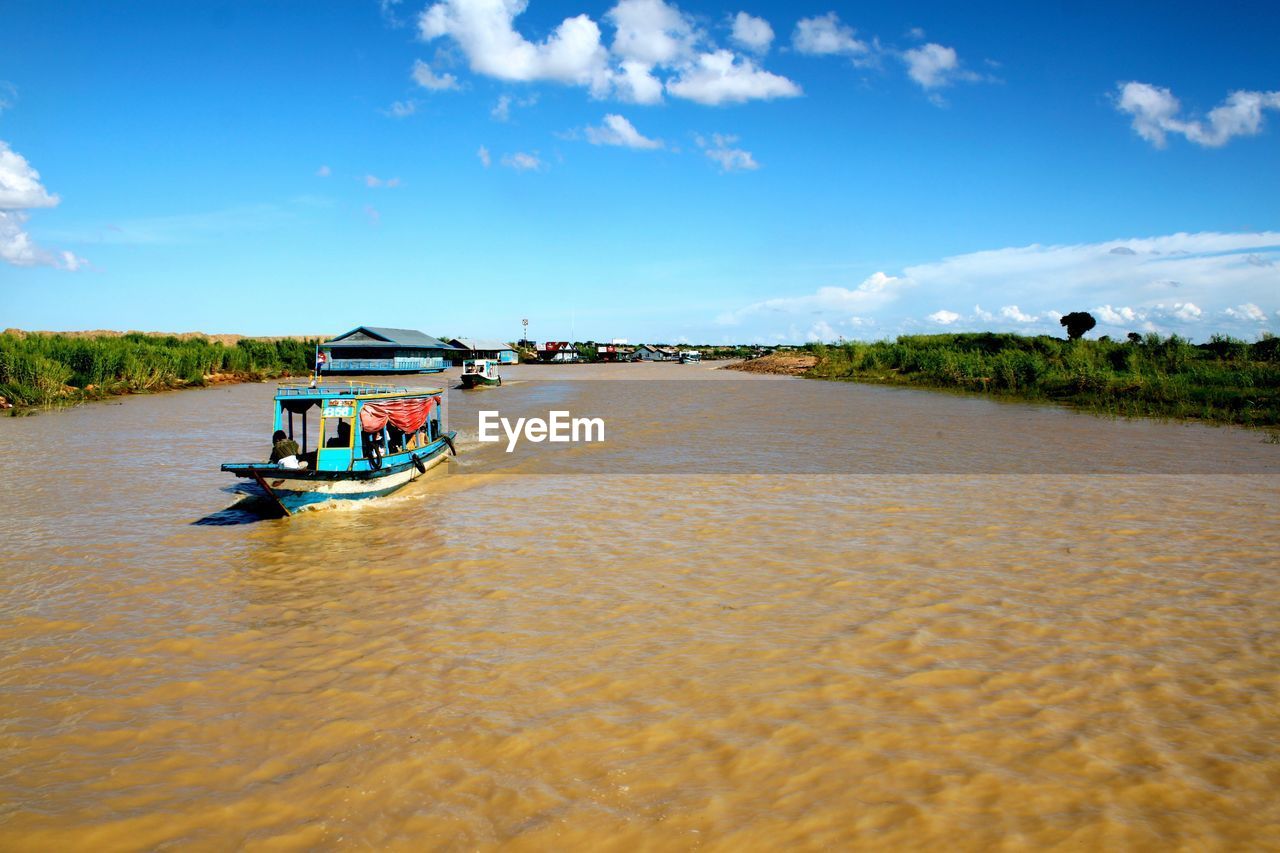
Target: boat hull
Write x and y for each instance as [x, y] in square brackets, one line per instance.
[475, 380]
[296, 490]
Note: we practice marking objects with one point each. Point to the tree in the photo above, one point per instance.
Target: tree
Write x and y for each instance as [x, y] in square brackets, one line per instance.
[1077, 323]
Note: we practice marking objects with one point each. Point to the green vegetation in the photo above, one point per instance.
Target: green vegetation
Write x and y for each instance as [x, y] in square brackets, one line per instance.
[44, 370]
[1224, 381]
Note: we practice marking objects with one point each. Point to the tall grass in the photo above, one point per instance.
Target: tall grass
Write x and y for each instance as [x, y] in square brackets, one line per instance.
[1225, 380]
[40, 370]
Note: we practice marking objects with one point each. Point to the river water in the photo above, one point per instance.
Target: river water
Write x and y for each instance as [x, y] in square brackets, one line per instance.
[763, 612]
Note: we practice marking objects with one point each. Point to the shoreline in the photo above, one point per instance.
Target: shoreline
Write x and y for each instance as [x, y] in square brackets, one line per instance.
[70, 397]
[812, 366]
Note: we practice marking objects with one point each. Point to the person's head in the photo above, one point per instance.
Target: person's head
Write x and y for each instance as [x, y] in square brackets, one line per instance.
[344, 430]
[279, 436]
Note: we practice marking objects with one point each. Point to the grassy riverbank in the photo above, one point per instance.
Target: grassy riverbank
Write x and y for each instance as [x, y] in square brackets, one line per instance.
[1223, 381]
[53, 369]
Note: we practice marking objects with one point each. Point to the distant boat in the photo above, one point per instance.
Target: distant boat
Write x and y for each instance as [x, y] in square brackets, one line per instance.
[690, 357]
[480, 371]
[369, 440]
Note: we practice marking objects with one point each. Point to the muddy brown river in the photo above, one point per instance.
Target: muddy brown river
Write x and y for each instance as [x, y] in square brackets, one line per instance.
[763, 613]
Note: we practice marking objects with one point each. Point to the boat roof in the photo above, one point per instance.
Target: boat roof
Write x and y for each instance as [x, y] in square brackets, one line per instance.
[355, 390]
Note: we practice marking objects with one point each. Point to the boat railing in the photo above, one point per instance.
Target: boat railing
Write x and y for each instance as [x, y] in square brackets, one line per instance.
[336, 389]
[398, 363]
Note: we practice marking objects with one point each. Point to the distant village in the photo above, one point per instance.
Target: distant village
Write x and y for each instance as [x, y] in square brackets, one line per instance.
[381, 349]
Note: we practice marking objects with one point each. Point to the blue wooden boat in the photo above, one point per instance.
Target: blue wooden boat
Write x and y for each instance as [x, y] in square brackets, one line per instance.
[356, 441]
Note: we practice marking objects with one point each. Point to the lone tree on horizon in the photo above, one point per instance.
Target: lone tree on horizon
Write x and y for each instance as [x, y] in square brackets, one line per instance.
[1077, 323]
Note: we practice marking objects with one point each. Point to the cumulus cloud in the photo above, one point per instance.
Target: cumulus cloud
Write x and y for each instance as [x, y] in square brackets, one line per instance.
[431, 81]
[483, 154]
[616, 130]
[751, 33]
[1012, 312]
[722, 77]
[20, 191]
[1190, 284]
[720, 149]
[934, 66]
[824, 35]
[636, 82]
[523, 162]
[1247, 311]
[1157, 113]
[656, 48]
[374, 182]
[20, 186]
[651, 32]
[485, 31]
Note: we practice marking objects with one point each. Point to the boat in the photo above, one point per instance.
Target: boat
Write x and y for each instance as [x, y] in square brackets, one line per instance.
[480, 371]
[354, 441]
[690, 357]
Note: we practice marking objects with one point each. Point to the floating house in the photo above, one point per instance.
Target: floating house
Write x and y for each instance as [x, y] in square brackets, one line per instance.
[475, 348]
[557, 352]
[374, 349]
[646, 352]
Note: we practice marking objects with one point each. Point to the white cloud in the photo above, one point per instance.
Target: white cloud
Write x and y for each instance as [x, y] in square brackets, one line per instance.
[1012, 312]
[20, 186]
[651, 32]
[876, 291]
[429, 80]
[522, 162]
[374, 182]
[730, 159]
[824, 35]
[8, 95]
[635, 82]
[1116, 316]
[1156, 112]
[722, 77]
[751, 33]
[485, 31]
[502, 109]
[943, 317]
[934, 65]
[1247, 311]
[483, 154]
[20, 191]
[655, 48]
[821, 331]
[1190, 284]
[373, 215]
[616, 130]
[402, 109]
[324, 172]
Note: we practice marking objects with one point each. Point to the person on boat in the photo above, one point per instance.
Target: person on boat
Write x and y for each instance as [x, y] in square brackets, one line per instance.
[284, 450]
[343, 439]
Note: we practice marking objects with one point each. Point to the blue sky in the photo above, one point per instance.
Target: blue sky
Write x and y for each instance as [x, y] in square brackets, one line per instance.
[640, 169]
